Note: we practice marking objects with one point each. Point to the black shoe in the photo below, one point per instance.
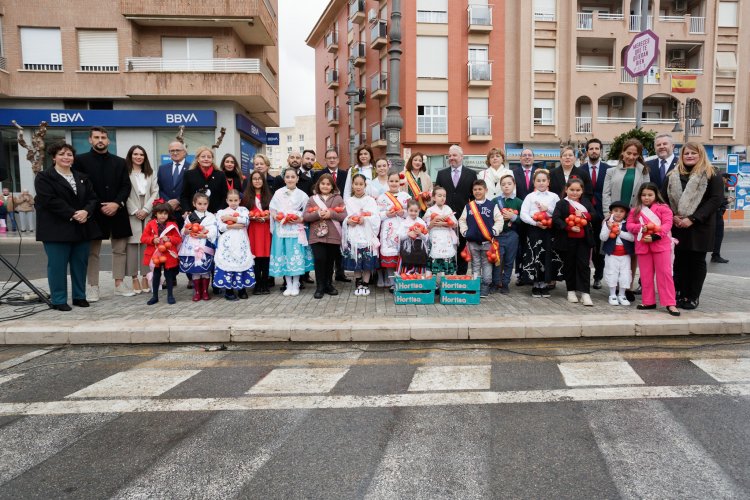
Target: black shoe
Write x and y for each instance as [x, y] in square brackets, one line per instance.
[229, 295]
[318, 294]
[171, 300]
[257, 290]
[265, 291]
[190, 285]
[536, 292]
[689, 304]
[545, 291]
[597, 284]
[630, 295]
[330, 290]
[62, 307]
[642, 307]
[671, 312]
[520, 282]
[305, 278]
[217, 290]
[638, 290]
[80, 302]
[718, 259]
[504, 290]
[343, 279]
[242, 294]
[152, 301]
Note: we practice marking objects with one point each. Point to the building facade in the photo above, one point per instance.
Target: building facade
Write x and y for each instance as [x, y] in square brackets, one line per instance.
[452, 76]
[567, 82]
[141, 68]
[299, 137]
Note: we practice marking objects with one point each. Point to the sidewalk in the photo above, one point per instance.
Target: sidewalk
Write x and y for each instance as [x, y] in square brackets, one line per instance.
[724, 309]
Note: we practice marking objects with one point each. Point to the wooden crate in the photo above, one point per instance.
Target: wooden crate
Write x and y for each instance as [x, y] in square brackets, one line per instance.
[421, 297]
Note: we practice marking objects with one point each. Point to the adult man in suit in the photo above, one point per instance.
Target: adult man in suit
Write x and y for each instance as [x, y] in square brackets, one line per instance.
[665, 160]
[108, 174]
[305, 182]
[169, 177]
[339, 177]
[597, 170]
[524, 175]
[457, 181]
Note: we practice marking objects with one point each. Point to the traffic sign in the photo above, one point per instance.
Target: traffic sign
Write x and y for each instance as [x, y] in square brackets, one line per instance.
[733, 163]
[732, 181]
[642, 53]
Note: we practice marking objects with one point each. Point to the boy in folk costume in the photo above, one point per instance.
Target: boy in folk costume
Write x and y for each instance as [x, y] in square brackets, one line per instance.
[618, 247]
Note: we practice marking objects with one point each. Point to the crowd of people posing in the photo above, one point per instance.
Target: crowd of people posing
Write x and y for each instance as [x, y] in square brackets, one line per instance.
[234, 233]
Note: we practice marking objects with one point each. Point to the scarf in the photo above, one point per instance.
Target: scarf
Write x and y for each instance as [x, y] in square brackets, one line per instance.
[206, 173]
[685, 202]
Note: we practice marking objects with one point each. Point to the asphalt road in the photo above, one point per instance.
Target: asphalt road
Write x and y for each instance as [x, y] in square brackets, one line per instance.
[638, 418]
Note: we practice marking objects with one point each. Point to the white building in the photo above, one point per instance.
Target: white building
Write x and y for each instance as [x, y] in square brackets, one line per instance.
[297, 138]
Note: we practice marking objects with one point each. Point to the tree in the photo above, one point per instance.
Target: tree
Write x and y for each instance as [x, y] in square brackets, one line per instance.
[645, 136]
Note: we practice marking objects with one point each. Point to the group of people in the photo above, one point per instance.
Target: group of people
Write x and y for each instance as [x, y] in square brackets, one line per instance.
[16, 212]
[232, 233]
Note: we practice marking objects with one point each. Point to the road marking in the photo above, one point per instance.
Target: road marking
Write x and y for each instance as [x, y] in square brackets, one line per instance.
[135, 383]
[299, 381]
[8, 378]
[380, 401]
[725, 370]
[451, 378]
[22, 359]
[599, 373]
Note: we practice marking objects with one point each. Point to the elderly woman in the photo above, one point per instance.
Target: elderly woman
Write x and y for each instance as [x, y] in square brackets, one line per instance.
[204, 176]
[65, 203]
[144, 190]
[694, 192]
[495, 171]
[25, 208]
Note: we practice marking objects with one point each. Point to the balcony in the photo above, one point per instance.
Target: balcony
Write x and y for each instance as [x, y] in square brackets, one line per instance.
[378, 34]
[357, 11]
[331, 41]
[360, 101]
[332, 116]
[480, 128]
[635, 23]
[4, 77]
[595, 68]
[379, 85]
[332, 79]
[544, 16]
[480, 73]
[357, 52]
[377, 135]
[480, 18]
[583, 125]
[652, 78]
[254, 21]
[585, 20]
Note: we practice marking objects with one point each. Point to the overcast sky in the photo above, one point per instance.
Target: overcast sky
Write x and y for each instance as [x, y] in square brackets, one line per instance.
[297, 60]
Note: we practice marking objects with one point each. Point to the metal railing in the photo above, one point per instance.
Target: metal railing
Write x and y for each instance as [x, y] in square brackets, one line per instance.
[583, 124]
[635, 23]
[227, 65]
[379, 29]
[99, 69]
[649, 121]
[356, 6]
[480, 125]
[591, 67]
[3, 63]
[432, 16]
[357, 50]
[480, 15]
[379, 81]
[332, 114]
[697, 25]
[684, 71]
[332, 38]
[544, 16]
[42, 67]
[672, 19]
[332, 76]
[480, 71]
[610, 17]
[650, 79]
[585, 21]
[377, 132]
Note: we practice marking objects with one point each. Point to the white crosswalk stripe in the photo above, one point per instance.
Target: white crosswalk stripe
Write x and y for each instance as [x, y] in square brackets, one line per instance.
[725, 370]
[138, 382]
[451, 378]
[299, 381]
[605, 373]
[24, 358]
[8, 378]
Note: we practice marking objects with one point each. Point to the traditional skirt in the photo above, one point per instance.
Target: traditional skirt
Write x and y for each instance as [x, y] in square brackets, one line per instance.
[289, 257]
[365, 261]
[234, 280]
[446, 266]
[540, 262]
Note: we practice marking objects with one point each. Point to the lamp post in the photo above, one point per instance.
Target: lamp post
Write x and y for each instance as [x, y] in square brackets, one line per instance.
[393, 122]
[351, 92]
[690, 112]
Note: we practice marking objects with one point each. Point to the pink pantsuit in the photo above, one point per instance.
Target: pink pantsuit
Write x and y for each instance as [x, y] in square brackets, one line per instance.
[655, 258]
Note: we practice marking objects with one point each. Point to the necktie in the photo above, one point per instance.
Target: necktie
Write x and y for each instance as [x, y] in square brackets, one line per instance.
[593, 181]
[527, 173]
[175, 170]
[662, 170]
[455, 174]
[334, 175]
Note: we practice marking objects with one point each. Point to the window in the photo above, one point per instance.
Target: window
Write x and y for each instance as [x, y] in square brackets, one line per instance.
[432, 57]
[301, 149]
[302, 138]
[727, 17]
[328, 143]
[432, 112]
[432, 11]
[2, 49]
[289, 137]
[544, 112]
[289, 150]
[726, 64]
[544, 10]
[97, 50]
[193, 138]
[722, 115]
[184, 54]
[41, 49]
[544, 59]
[479, 120]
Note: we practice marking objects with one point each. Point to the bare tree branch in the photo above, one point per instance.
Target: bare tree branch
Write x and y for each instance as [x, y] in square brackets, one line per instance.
[222, 133]
[35, 153]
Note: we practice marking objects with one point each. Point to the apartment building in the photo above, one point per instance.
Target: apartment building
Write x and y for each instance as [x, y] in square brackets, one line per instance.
[565, 80]
[141, 68]
[452, 76]
[297, 138]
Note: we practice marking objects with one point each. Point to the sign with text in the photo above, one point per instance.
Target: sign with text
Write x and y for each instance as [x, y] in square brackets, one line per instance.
[109, 118]
[733, 163]
[641, 53]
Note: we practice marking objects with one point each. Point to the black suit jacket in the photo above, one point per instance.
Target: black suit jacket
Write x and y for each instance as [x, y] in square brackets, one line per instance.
[521, 190]
[601, 173]
[557, 181]
[55, 204]
[653, 170]
[458, 196]
[168, 188]
[341, 176]
[193, 181]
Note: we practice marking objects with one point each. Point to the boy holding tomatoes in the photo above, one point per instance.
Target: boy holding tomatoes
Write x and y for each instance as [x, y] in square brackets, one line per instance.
[162, 239]
[618, 248]
[510, 206]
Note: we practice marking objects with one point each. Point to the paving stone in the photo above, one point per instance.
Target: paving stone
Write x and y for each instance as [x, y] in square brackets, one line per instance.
[261, 331]
[497, 328]
[607, 327]
[441, 329]
[37, 334]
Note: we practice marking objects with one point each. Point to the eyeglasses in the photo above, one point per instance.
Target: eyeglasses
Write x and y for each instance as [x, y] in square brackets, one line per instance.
[175, 151]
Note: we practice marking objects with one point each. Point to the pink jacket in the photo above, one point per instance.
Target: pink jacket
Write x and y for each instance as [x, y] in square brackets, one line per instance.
[664, 214]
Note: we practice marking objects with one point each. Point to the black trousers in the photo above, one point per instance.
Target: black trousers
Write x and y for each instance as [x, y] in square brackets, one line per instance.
[719, 235]
[689, 273]
[576, 266]
[338, 262]
[597, 257]
[261, 271]
[169, 276]
[461, 265]
[324, 256]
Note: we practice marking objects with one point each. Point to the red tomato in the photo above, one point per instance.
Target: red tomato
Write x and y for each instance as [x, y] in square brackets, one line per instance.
[584, 222]
[657, 229]
[167, 244]
[162, 248]
[235, 214]
[365, 214]
[338, 210]
[571, 223]
[650, 226]
[155, 259]
[612, 235]
[279, 216]
[162, 259]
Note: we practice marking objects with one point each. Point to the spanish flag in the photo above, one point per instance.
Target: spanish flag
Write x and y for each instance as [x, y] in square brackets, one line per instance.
[684, 84]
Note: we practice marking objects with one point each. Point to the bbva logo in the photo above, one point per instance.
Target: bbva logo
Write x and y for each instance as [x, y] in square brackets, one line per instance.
[181, 118]
[65, 117]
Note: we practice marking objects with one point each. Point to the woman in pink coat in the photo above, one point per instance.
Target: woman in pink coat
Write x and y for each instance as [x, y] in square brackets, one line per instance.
[651, 222]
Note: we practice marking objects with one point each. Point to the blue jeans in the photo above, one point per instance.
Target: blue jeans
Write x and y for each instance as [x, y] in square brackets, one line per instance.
[508, 241]
[59, 256]
[480, 266]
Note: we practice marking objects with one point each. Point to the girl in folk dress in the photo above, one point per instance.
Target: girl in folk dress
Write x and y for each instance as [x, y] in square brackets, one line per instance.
[360, 239]
[413, 241]
[161, 237]
[198, 247]
[541, 264]
[290, 253]
[442, 224]
[234, 258]
[379, 185]
[416, 181]
[257, 199]
[392, 208]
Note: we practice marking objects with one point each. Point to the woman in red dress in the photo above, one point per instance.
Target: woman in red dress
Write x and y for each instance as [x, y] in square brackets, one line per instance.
[257, 198]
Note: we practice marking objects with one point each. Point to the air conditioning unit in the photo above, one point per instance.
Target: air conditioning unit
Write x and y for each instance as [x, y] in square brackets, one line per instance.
[617, 102]
[372, 15]
[677, 55]
[680, 6]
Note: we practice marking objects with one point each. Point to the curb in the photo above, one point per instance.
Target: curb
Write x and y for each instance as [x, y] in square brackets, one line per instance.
[652, 323]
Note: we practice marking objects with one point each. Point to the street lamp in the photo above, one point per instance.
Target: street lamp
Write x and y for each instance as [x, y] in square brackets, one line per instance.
[351, 92]
[690, 112]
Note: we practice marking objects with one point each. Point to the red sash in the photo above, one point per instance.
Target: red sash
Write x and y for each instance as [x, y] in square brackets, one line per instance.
[484, 230]
[414, 187]
[396, 204]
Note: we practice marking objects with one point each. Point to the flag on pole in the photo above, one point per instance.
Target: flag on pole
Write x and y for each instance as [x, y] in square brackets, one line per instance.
[684, 84]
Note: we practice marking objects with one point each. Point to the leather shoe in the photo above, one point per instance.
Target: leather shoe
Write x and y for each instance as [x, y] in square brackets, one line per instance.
[81, 302]
[642, 307]
[343, 279]
[306, 279]
[597, 284]
[318, 294]
[331, 290]
[62, 307]
[718, 259]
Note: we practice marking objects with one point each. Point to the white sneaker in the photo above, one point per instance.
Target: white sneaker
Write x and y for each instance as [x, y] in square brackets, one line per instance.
[586, 299]
[93, 294]
[381, 282]
[366, 290]
[572, 297]
[287, 292]
[623, 301]
[613, 300]
[295, 291]
[123, 292]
